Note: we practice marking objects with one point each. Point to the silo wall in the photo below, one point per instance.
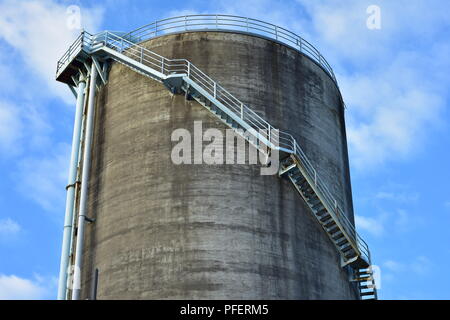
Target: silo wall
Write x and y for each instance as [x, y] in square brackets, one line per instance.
[166, 231]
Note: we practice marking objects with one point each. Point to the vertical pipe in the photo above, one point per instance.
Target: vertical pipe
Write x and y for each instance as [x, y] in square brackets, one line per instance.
[84, 186]
[68, 217]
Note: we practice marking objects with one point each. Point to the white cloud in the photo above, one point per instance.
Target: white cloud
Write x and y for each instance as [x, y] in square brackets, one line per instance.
[23, 126]
[49, 173]
[13, 287]
[420, 265]
[393, 80]
[393, 265]
[402, 197]
[284, 14]
[391, 125]
[403, 220]
[371, 225]
[9, 227]
[393, 91]
[38, 31]
[10, 128]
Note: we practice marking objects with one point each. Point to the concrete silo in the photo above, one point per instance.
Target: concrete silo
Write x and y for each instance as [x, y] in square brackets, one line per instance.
[139, 226]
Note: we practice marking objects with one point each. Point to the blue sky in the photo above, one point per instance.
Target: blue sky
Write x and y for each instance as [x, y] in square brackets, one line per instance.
[394, 81]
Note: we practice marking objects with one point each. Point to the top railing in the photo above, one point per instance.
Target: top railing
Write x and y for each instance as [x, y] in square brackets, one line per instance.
[220, 22]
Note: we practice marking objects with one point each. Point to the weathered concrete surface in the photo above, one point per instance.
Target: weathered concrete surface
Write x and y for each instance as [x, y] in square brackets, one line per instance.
[213, 231]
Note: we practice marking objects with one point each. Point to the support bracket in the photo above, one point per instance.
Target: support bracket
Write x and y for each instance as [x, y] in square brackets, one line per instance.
[73, 184]
[100, 70]
[90, 220]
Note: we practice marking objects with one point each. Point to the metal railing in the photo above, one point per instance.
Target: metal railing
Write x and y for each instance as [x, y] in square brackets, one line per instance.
[182, 67]
[331, 203]
[220, 22]
[72, 52]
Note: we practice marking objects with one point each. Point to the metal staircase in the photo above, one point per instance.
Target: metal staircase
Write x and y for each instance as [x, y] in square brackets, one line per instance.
[181, 76]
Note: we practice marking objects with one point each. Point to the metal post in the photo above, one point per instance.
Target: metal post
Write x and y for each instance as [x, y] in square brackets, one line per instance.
[189, 69]
[242, 111]
[215, 89]
[70, 195]
[84, 186]
[82, 40]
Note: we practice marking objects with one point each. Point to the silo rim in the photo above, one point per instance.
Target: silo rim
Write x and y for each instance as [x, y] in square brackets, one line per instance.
[232, 24]
[252, 35]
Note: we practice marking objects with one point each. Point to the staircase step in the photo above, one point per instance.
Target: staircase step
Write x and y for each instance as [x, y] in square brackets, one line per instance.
[350, 254]
[307, 193]
[307, 187]
[341, 241]
[317, 207]
[368, 293]
[329, 223]
[297, 175]
[314, 201]
[364, 274]
[346, 247]
[333, 229]
[363, 279]
[364, 270]
[371, 286]
[336, 233]
[299, 180]
[287, 167]
[304, 183]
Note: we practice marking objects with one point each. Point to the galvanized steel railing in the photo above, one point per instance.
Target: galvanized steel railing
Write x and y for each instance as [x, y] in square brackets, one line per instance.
[72, 52]
[211, 22]
[182, 67]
